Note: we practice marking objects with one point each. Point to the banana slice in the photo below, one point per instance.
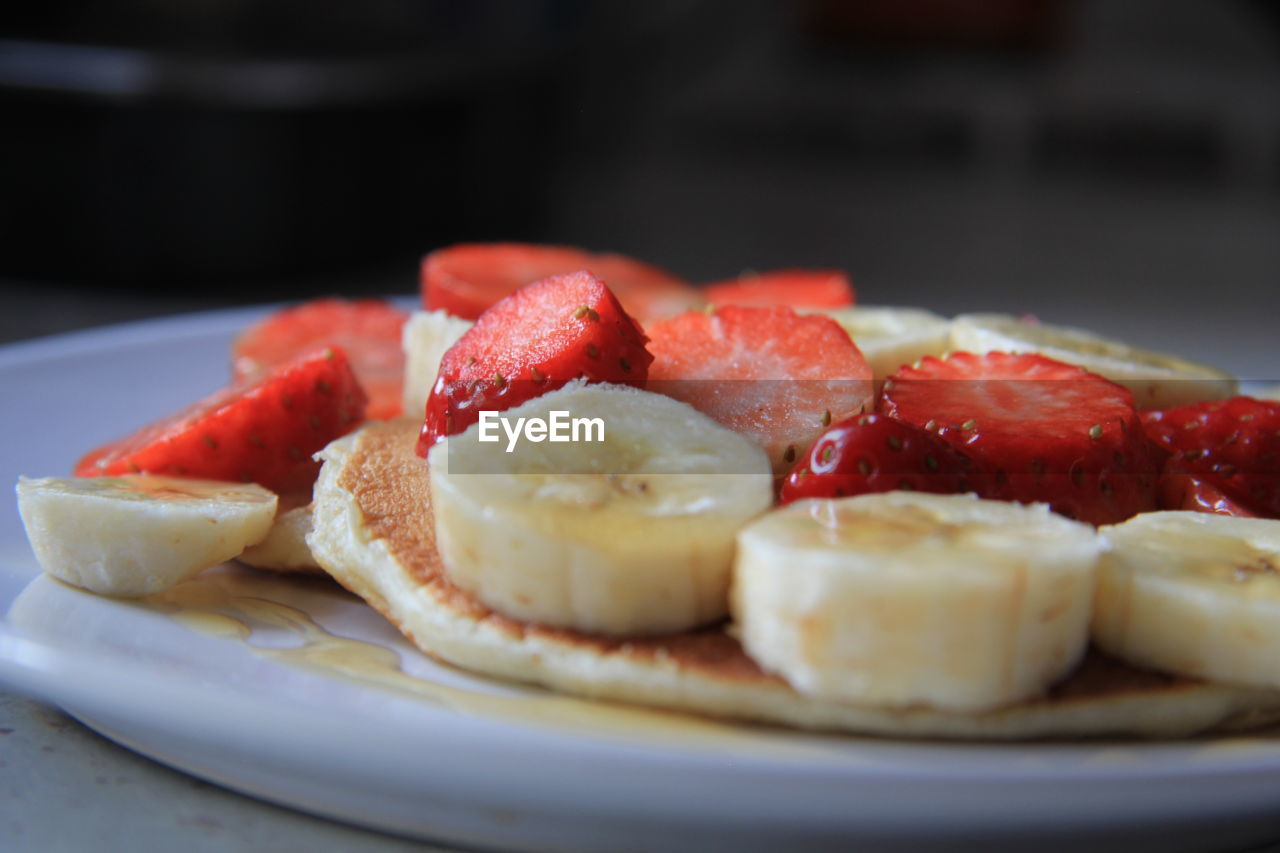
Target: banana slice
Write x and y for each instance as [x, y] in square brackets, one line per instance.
[629, 535]
[904, 598]
[139, 534]
[892, 337]
[1195, 594]
[1266, 392]
[1157, 380]
[284, 548]
[426, 336]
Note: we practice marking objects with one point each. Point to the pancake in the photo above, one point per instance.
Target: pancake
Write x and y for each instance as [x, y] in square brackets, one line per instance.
[373, 532]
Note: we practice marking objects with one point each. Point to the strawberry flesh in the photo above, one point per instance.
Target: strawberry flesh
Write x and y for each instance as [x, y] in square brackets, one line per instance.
[468, 278]
[1182, 491]
[368, 330]
[876, 453]
[1232, 446]
[1038, 430]
[768, 373]
[539, 338]
[263, 431]
[798, 288]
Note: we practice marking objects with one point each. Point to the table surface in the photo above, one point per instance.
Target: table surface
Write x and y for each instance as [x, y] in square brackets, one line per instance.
[64, 788]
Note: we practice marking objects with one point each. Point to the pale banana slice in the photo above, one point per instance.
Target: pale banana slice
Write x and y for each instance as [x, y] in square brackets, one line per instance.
[426, 336]
[633, 534]
[284, 548]
[892, 337]
[139, 534]
[1195, 594]
[1266, 392]
[1158, 380]
[904, 599]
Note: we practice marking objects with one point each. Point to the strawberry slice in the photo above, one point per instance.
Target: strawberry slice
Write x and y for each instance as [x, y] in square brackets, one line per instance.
[468, 278]
[368, 330]
[263, 431]
[1038, 430]
[539, 338]
[1179, 490]
[877, 453]
[768, 373]
[799, 288]
[1230, 445]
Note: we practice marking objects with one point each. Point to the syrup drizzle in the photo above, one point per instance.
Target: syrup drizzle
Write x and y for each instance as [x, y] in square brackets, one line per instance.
[229, 605]
[232, 605]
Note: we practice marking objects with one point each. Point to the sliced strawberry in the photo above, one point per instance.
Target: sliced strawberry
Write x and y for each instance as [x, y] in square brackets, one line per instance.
[767, 373]
[1231, 445]
[797, 288]
[877, 453]
[367, 329]
[1179, 490]
[1038, 430]
[264, 431]
[537, 339]
[468, 278]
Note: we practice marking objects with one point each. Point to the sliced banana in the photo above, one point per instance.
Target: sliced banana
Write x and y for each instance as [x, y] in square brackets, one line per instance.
[892, 337]
[1157, 380]
[1195, 594]
[426, 336]
[633, 534]
[284, 548]
[1266, 392]
[139, 534]
[904, 598]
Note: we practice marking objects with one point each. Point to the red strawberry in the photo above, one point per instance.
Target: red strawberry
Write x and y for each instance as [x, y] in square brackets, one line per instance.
[798, 288]
[1038, 430]
[534, 341]
[876, 453]
[468, 278]
[264, 431]
[1179, 490]
[1230, 445]
[767, 373]
[367, 329]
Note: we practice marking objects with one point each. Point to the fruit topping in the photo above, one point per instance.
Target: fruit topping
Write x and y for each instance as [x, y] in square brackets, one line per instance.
[1038, 430]
[368, 330]
[468, 278]
[877, 453]
[537, 339]
[768, 373]
[263, 431]
[798, 288]
[1232, 446]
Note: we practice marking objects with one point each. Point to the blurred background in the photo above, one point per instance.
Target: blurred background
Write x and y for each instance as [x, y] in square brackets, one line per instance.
[1109, 164]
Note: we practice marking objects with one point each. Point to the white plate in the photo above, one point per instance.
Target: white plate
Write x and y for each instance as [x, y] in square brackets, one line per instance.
[268, 698]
